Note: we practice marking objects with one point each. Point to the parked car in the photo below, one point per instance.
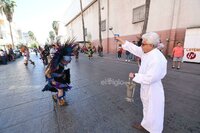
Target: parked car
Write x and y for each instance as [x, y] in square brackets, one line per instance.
[17, 53]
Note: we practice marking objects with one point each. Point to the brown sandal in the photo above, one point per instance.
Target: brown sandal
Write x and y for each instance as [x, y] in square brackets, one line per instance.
[62, 102]
[139, 127]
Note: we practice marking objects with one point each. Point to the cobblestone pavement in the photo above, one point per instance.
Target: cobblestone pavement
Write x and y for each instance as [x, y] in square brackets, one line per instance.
[97, 101]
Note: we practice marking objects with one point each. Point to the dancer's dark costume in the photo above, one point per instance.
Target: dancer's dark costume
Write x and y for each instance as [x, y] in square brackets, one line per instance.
[57, 77]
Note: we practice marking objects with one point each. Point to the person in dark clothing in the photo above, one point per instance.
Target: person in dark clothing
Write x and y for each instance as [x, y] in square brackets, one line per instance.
[3, 59]
[128, 58]
[119, 52]
[100, 50]
[57, 76]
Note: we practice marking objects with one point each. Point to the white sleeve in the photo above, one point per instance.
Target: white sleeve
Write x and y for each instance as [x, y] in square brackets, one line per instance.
[155, 72]
[132, 48]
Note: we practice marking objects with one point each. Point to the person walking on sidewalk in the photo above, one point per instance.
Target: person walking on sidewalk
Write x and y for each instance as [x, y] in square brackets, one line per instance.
[177, 54]
[100, 50]
[76, 52]
[128, 58]
[26, 54]
[52, 51]
[152, 70]
[119, 52]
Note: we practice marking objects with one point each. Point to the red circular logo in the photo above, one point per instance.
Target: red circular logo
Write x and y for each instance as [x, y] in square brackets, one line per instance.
[191, 55]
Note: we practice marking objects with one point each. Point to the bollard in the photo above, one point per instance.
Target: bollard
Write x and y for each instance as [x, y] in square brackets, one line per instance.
[130, 90]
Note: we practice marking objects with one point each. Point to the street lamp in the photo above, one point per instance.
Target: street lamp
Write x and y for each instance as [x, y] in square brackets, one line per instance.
[111, 29]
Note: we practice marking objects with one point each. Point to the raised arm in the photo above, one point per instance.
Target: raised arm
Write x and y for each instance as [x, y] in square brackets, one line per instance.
[132, 48]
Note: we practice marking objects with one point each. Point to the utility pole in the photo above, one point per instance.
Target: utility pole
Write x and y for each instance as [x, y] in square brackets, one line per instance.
[83, 24]
[147, 6]
[100, 37]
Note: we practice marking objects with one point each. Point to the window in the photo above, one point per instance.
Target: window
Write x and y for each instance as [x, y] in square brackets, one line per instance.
[138, 14]
[103, 25]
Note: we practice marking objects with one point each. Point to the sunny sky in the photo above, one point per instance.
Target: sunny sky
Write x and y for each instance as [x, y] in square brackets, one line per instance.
[38, 15]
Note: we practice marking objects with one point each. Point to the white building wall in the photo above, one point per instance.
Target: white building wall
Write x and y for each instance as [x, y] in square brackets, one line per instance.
[169, 18]
[160, 15]
[121, 15]
[189, 14]
[92, 22]
[119, 18]
[76, 29]
[173, 14]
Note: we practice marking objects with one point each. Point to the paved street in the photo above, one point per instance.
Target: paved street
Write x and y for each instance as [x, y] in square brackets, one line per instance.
[96, 105]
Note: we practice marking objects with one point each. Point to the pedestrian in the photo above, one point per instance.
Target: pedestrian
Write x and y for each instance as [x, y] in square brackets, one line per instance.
[35, 50]
[11, 54]
[52, 50]
[100, 50]
[26, 54]
[177, 54]
[76, 52]
[161, 46]
[94, 49]
[58, 75]
[3, 59]
[90, 52]
[138, 59]
[152, 70]
[128, 59]
[119, 52]
[44, 54]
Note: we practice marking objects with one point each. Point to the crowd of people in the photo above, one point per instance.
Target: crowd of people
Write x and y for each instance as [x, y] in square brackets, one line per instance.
[8, 55]
[147, 52]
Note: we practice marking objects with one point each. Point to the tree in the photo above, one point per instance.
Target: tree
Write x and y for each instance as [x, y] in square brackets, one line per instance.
[8, 9]
[147, 6]
[83, 23]
[55, 26]
[1, 6]
[33, 45]
[31, 35]
[1, 21]
[34, 42]
[52, 36]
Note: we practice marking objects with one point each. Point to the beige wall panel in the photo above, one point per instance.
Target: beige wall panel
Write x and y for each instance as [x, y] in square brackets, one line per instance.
[92, 22]
[160, 15]
[77, 29]
[189, 14]
[121, 15]
[169, 18]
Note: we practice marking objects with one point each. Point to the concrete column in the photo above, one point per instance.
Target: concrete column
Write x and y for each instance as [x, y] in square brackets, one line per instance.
[108, 25]
[174, 25]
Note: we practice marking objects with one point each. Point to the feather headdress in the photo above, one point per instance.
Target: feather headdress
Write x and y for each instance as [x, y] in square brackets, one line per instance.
[66, 49]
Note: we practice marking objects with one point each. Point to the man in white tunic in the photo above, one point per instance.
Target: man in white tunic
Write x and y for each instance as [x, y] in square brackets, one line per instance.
[152, 70]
